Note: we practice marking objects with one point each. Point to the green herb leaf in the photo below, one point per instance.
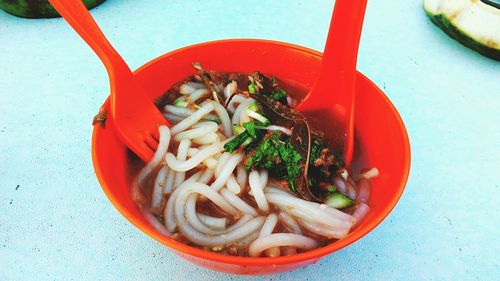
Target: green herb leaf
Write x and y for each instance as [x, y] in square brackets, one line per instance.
[279, 157]
[251, 88]
[252, 127]
[331, 189]
[278, 95]
[248, 132]
[232, 145]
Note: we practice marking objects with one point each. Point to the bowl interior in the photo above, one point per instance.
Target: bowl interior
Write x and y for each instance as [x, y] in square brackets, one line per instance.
[381, 138]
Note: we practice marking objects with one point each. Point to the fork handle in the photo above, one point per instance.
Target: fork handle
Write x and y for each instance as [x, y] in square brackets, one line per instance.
[77, 15]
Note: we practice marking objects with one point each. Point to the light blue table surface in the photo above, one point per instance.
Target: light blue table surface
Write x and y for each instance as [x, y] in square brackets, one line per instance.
[57, 224]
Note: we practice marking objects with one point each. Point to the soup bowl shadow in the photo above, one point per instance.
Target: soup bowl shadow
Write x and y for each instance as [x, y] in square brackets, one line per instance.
[381, 141]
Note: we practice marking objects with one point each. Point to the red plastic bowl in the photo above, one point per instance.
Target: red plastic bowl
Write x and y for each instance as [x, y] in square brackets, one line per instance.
[381, 136]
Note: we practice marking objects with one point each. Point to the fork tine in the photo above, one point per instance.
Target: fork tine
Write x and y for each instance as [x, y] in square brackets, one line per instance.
[151, 142]
[156, 135]
[143, 151]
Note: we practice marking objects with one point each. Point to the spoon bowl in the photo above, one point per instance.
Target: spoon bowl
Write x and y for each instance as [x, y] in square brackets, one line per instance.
[381, 141]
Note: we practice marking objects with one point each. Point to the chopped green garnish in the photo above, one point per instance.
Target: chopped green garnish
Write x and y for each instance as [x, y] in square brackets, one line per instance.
[278, 95]
[338, 200]
[252, 88]
[273, 80]
[247, 142]
[291, 159]
[331, 189]
[254, 106]
[316, 148]
[279, 156]
[247, 132]
[232, 145]
[238, 129]
[250, 127]
[265, 156]
[180, 102]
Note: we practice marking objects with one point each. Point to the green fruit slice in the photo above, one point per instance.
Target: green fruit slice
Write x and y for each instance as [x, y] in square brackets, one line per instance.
[36, 8]
[473, 23]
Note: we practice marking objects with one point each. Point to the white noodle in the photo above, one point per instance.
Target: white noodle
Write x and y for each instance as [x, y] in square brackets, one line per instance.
[210, 163]
[204, 128]
[227, 171]
[209, 240]
[230, 89]
[213, 222]
[163, 144]
[237, 99]
[189, 164]
[192, 150]
[206, 176]
[179, 113]
[264, 176]
[241, 175]
[221, 162]
[245, 242]
[196, 85]
[200, 93]
[279, 128]
[232, 185]
[192, 216]
[241, 108]
[190, 87]
[255, 115]
[244, 116]
[172, 118]
[168, 212]
[323, 230]
[160, 181]
[158, 156]
[311, 212]
[181, 156]
[192, 119]
[214, 196]
[266, 230]
[290, 223]
[169, 184]
[150, 217]
[207, 139]
[238, 203]
[224, 118]
[258, 193]
[332, 211]
[281, 239]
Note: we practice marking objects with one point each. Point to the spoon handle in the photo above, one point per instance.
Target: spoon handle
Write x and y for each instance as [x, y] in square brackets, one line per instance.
[339, 61]
[334, 90]
[341, 48]
[77, 15]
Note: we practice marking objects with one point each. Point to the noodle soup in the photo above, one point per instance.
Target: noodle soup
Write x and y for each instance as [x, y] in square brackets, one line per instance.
[240, 172]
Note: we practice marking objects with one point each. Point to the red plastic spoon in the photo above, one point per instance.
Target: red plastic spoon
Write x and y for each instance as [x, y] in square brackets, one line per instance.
[331, 100]
[136, 117]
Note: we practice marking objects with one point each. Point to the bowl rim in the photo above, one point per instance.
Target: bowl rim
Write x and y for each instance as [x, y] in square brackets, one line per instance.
[315, 254]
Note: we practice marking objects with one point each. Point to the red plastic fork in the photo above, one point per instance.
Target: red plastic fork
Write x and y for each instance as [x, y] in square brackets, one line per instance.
[330, 102]
[135, 116]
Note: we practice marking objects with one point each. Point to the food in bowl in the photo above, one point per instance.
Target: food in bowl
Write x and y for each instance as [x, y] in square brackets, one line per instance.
[241, 173]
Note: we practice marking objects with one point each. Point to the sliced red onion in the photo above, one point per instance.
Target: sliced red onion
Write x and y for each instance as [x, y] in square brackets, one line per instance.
[360, 212]
[372, 173]
[364, 186]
